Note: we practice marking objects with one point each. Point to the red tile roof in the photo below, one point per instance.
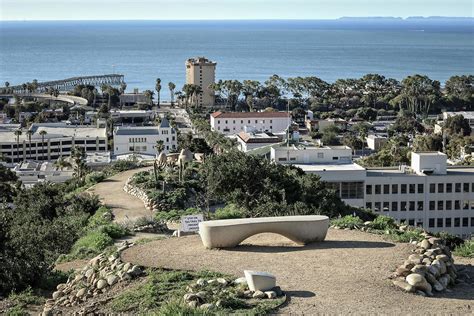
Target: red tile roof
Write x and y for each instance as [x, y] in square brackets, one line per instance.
[249, 114]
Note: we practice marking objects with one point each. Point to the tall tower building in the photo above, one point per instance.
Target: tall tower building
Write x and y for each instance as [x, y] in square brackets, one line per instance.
[202, 72]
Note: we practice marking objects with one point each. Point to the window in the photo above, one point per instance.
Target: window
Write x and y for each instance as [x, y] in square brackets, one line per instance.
[234, 121]
[439, 222]
[412, 188]
[472, 221]
[472, 205]
[449, 205]
[420, 188]
[249, 121]
[271, 121]
[403, 188]
[377, 206]
[447, 222]
[368, 188]
[449, 187]
[368, 205]
[465, 205]
[420, 205]
[432, 188]
[432, 205]
[403, 206]
[465, 221]
[394, 206]
[226, 121]
[440, 205]
[411, 222]
[281, 159]
[386, 189]
[431, 222]
[377, 189]
[457, 205]
[440, 187]
[386, 206]
[457, 187]
[465, 187]
[394, 188]
[241, 121]
[412, 205]
[352, 190]
[457, 222]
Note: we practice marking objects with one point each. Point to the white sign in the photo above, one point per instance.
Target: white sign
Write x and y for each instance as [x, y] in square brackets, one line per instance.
[190, 223]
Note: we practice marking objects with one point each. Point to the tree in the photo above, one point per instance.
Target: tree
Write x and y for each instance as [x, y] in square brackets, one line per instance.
[149, 95]
[123, 87]
[29, 133]
[250, 89]
[421, 93]
[367, 114]
[62, 163]
[42, 134]
[18, 133]
[160, 146]
[428, 143]
[171, 87]
[158, 90]
[8, 184]
[457, 125]
[460, 92]
[78, 156]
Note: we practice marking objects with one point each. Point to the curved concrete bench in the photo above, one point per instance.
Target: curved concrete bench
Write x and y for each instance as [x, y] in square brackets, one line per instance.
[229, 233]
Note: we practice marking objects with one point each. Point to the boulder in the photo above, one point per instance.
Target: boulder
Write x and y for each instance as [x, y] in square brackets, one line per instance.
[401, 271]
[112, 279]
[81, 292]
[440, 265]
[443, 258]
[438, 286]
[419, 282]
[221, 281]
[425, 244]
[258, 294]
[404, 286]
[420, 269]
[101, 284]
[415, 258]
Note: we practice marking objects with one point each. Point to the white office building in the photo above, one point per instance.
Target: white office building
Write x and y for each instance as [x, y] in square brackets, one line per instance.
[143, 139]
[236, 122]
[427, 194]
[59, 139]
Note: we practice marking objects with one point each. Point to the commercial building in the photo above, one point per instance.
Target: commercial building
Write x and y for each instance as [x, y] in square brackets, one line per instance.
[59, 139]
[427, 194]
[143, 139]
[236, 122]
[31, 173]
[201, 71]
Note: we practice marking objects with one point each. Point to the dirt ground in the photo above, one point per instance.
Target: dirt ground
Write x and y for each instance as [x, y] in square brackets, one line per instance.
[346, 274]
[124, 206]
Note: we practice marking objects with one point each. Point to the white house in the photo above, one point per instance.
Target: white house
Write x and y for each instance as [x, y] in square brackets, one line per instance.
[143, 139]
[236, 122]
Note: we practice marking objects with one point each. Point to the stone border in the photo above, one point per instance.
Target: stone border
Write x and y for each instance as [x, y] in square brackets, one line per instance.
[140, 194]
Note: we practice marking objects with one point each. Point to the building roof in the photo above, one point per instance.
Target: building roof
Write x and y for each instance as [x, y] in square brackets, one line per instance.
[164, 123]
[137, 131]
[258, 137]
[220, 114]
[329, 167]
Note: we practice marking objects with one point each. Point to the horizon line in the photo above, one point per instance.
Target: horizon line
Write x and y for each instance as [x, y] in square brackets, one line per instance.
[398, 18]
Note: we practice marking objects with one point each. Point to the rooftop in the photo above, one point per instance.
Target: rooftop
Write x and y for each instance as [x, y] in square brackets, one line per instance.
[329, 167]
[258, 137]
[220, 114]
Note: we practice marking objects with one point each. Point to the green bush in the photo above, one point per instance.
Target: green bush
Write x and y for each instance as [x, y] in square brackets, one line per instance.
[408, 235]
[452, 241]
[465, 250]
[95, 177]
[95, 241]
[348, 221]
[175, 215]
[103, 216]
[114, 230]
[382, 222]
[228, 212]
[21, 300]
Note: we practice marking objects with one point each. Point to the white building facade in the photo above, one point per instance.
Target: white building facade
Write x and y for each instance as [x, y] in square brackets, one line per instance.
[235, 122]
[201, 71]
[143, 139]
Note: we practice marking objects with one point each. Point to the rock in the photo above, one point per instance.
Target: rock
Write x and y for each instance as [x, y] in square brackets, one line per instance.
[190, 297]
[420, 269]
[270, 294]
[443, 258]
[248, 293]
[126, 266]
[260, 281]
[419, 282]
[440, 265]
[444, 280]
[430, 278]
[415, 258]
[101, 284]
[47, 312]
[81, 292]
[401, 271]
[201, 282]
[122, 248]
[434, 241]
[241, 280]
[425, 244]
[408, 265]
[207, 306]
[433, 270]
[57, 294]
[201, 295]
[112, 279]
[221, 281]
[404, 286]
[426, 261]
[135, 271]
[60, 286]
[212, 281]
[193, 304]
[258, 294]
[421, 293]
[438, 286]
[89, 273]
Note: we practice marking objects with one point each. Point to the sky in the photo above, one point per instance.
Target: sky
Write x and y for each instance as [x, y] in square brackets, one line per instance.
[226, 9]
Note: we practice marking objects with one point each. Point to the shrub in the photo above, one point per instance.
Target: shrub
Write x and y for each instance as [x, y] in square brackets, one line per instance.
[348, 221]
[465, 250]
[95, 241]
[95, 177]
[407, 236]
[102, 216]
[452, 241]
[228, 212]
[114, 230]
[175, 215]
[382, 222]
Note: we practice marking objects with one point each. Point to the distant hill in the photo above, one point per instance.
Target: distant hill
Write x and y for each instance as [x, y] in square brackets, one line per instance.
[411, 18]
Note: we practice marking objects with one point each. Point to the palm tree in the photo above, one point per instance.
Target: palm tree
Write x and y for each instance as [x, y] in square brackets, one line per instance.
[159, 146]
[29, 133]
[78, 155]
[172, 86]
[197, 90]
[158, 89]
[18, 133]
[149, 95]
[43, 134]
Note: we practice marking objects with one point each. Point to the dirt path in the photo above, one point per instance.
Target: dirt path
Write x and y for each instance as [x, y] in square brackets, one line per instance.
[124, 206]
[346, 274]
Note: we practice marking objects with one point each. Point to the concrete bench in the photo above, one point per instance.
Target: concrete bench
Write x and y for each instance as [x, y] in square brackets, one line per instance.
[229, 233]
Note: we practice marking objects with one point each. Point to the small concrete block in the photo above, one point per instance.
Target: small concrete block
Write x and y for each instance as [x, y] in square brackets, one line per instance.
[260, 281]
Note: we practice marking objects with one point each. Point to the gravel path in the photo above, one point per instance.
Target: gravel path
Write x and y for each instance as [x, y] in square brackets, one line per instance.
[348, 273]
[124, 206]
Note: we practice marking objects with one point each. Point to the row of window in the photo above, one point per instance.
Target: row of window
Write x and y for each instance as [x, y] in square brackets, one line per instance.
[226, 129]
[137, 140]
[419, 188]
[419, 205]
[242, 121]
[450, 222]
[55, 143]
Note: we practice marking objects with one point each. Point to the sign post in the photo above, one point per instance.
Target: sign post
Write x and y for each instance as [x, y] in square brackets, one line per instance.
[190, 223]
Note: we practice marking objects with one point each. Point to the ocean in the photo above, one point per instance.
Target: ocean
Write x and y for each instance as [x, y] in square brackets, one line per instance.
[145, 50]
